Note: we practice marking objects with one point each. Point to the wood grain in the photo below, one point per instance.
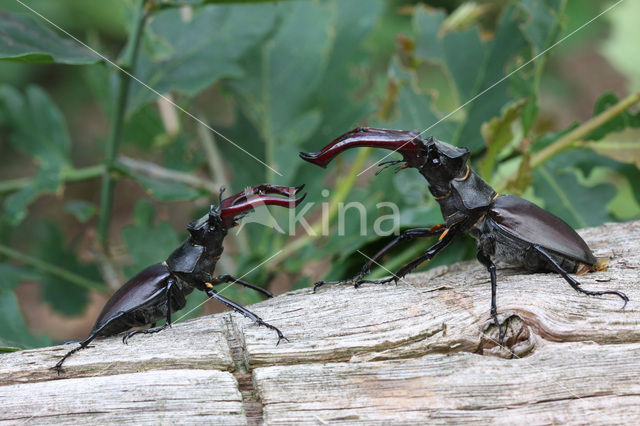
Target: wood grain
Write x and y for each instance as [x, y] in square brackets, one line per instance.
[559, 383]
[424, 349]
[193, 344]
[161, 396]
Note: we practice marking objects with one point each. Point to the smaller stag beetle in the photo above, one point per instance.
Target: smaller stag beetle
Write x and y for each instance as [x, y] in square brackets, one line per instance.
[161, 289]
[507, 228]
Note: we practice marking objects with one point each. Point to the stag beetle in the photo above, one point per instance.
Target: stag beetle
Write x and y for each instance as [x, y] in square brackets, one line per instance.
[161, 289]
[507, 228]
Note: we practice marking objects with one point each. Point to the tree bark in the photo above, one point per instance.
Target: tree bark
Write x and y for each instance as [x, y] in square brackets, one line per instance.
[424, 349]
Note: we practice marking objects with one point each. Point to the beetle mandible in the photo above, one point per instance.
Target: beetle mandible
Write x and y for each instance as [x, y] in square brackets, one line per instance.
[507, 228]
[161, 289]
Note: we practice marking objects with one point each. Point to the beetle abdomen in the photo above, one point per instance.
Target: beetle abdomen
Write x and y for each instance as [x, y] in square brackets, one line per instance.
[534, 225]
[123, 309]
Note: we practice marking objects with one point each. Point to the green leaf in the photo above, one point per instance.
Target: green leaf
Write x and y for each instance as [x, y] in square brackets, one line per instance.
[23, 39]
[617, 123]
[65, 298]
[497, 134]
[13, 329]
[11, 276]
[478, 73]
[36, 127]
[163, 4]
[197, 51]
[82, 210]
[580, 206]
[46, 181]
[586, 160]
[291, 62]
[147, 243]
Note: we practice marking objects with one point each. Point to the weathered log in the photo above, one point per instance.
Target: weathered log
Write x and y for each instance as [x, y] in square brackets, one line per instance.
[422, 349]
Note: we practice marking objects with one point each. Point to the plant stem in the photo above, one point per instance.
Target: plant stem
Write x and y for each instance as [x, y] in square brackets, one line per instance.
[52, 269]
[117, 121]
[578, 134]
[581, 131]
[68, 175]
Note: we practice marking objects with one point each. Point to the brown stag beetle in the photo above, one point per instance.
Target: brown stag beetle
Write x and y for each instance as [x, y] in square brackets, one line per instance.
[161, 289]
[507, 228]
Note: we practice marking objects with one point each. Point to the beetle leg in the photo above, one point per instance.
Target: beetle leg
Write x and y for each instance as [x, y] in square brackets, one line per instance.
[83, 345]
[445, 238]
[153, 328]
[241, 310]
[225, 278]
[406, 235]
[575, 284]
[491, 267]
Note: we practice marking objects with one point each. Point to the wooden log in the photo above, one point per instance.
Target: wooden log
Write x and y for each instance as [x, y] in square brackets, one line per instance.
[159, 396]
[422, 349]
[558, 383]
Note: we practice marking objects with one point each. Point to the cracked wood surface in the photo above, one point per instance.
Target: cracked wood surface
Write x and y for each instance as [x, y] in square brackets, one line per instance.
[422, 349]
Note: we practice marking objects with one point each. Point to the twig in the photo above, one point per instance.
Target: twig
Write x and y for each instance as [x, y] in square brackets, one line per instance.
[52, 269]
[68, 175]
[578, 134]
[155, 171]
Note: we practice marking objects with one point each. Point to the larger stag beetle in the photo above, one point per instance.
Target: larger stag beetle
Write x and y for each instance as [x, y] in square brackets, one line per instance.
[507, 228]
[161, 289]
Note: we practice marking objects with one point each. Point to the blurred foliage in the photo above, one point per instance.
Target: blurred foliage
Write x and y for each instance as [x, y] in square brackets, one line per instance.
[278, 78]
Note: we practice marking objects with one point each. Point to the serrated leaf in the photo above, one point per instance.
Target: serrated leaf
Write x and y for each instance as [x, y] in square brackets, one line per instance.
[36, 127]
[497, 134]
[616, 124]
[24, 39]
[204, 48]
[80, 209]
[148, 243]
[46, 181]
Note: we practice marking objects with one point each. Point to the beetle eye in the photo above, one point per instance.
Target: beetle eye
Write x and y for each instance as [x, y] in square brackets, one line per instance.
[435, 162]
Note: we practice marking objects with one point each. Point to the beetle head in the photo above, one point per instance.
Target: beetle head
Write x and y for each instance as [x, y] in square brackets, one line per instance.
[437, 161]
[443, 163]
[229, 211]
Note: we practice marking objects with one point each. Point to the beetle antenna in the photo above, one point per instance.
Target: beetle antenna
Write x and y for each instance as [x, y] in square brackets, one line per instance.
[387, 164]
[222, 189]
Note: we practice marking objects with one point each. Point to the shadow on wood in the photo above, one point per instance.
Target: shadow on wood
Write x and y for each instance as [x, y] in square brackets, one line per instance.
[422, 349]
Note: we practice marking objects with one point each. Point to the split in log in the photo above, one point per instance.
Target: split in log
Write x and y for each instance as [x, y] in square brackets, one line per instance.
[423, 349]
